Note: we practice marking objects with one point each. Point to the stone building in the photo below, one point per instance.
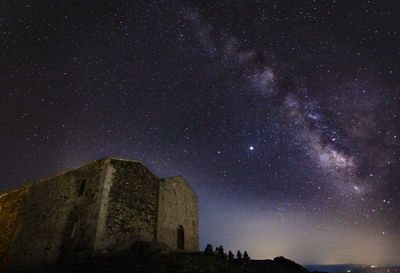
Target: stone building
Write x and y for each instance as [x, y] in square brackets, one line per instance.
[101, 207]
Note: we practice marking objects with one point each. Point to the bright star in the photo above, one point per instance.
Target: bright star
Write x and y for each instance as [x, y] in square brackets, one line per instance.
[251, 148]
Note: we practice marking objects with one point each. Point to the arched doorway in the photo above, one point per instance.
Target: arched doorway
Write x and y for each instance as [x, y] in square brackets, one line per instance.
[181, 237]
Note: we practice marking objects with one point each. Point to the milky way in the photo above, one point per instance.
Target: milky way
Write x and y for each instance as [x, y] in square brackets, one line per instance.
[282, 115]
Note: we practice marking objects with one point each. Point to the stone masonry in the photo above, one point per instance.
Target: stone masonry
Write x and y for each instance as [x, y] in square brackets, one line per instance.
[99, 208]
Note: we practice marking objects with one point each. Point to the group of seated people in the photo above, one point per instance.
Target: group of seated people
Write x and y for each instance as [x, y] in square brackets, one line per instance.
[219, 252]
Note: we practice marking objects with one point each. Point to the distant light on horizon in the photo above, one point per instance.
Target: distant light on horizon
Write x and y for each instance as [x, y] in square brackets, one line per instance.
[189, 93]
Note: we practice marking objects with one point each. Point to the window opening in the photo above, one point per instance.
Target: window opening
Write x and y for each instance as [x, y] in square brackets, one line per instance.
[181, 238]
[82, 188]
[74, 230]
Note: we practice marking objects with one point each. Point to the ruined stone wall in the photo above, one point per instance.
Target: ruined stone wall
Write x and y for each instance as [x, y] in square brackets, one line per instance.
[178, 206]
[51, 217]
[101, 207]
[130, 206]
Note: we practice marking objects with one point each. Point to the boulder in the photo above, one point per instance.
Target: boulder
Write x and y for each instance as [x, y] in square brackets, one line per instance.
[284, 265]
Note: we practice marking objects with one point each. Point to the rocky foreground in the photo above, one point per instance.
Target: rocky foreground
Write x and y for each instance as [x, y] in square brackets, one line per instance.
[148, 259]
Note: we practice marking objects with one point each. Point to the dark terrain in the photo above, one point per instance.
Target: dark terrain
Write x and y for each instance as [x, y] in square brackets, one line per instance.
[150, 260]
[353, 268]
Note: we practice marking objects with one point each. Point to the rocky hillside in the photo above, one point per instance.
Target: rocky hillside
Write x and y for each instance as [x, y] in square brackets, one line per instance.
[150, 259]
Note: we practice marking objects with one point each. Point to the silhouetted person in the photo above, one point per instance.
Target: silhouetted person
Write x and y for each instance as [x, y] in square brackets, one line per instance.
[209, 250]
[216, 251]
[231, 257]
[239, 255]
[246, 256]
[221, 253]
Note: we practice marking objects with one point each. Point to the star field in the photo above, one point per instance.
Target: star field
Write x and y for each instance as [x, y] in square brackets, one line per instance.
[282, 115]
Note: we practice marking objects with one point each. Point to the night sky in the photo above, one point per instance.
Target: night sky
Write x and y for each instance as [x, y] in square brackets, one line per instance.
[282, 115]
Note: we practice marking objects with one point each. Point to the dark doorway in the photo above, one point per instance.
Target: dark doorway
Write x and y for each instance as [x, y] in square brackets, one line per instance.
[181, 238]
